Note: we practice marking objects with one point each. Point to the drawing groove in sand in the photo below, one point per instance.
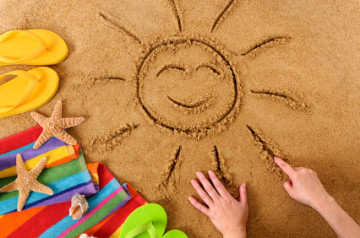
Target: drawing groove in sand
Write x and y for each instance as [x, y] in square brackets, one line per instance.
[170, 66]
[220, 169]
[189, 105]
[176, 13]
[112, 139]
[221, 118]
[214, 115]
[209, 66]
[297, 57]
[267, 151]
[193, 106]
[168, 183]
[222, 14]
[112, 22]
[269, 42]
[110, 78]
[291, 101]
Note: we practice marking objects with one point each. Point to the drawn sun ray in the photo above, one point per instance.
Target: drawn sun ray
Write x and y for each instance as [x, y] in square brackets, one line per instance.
[176, 13]
[214, 111]
[267, 151]
[222, 15]
[109, 78]
[284, 97]
[113, 138]
[267, 43]
[220, 168]
[112, 22]
[169, 181]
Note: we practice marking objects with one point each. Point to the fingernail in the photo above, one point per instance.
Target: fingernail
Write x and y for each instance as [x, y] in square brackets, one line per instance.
[276, 158]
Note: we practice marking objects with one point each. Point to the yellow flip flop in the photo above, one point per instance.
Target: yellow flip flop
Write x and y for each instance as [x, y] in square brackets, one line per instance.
[28, 91]
[32, 47]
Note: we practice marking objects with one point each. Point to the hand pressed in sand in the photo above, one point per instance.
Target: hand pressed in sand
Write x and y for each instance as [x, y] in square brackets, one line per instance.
[305, 187]
[228, 215]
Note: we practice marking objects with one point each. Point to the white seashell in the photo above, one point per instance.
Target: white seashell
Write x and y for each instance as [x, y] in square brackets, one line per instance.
[79, 206]
[83, 235]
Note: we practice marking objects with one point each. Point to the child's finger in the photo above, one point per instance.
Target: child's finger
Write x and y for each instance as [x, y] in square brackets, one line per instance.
[284, 166]
[218, 185]
[199, 206]
[204, 196]
[243, 193]
[207, 186]
[288, 186]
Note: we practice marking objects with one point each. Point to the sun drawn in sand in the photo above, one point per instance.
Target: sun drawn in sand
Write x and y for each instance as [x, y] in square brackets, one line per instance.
[189, 85]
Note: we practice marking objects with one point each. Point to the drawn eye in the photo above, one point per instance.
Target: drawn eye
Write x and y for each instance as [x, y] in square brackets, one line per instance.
[169, 67]
[210, 67]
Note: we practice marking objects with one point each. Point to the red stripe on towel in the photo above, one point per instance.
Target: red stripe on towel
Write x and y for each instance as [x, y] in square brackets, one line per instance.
[20, 139]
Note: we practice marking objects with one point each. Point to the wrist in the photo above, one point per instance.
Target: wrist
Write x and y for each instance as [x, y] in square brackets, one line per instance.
[239, 232]
[324, 204]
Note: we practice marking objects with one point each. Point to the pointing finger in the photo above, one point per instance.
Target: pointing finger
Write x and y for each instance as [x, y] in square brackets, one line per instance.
[285, 167]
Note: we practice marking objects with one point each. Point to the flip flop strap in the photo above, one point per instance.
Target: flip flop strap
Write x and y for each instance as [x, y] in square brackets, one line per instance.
[33, 81]
[148, 227]
[42, 47]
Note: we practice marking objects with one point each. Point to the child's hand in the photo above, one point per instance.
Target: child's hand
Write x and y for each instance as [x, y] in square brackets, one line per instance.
[227, 214]
[304, 185]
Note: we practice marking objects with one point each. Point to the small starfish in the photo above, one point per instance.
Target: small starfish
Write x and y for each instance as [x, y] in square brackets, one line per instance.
[55, 126]
[26, 181]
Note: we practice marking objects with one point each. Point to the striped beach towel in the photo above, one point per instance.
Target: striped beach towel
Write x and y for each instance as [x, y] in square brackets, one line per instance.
[108, 209]
[66, 173]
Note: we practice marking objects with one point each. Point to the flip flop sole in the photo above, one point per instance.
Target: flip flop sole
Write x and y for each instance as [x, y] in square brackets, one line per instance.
[175, 234]
[149, 213]
[11, 91]
[21, 45]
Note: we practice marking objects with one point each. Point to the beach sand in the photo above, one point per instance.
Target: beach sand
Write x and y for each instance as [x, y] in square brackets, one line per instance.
[169, 88]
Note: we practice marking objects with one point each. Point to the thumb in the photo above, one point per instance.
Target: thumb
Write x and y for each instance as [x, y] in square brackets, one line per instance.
[243, 193]
[288, 186]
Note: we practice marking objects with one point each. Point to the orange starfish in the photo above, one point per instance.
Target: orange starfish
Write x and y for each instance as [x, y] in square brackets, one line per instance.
[55, 126]
[26, 181]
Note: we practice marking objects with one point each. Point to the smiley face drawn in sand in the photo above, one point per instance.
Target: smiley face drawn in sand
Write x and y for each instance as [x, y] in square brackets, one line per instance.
[187, 84]
[281, 35]
[193, 92]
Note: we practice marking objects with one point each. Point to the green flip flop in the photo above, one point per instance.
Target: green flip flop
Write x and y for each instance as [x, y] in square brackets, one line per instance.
[175, 234]
[148, 221]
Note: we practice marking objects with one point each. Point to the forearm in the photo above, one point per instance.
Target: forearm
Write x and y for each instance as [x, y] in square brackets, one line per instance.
[342, 224]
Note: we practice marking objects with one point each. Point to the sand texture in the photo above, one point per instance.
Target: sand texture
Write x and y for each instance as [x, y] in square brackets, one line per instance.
[169, 88]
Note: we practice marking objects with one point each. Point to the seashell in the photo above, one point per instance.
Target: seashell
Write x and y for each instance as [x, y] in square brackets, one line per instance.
[79, 206]
[84, 235]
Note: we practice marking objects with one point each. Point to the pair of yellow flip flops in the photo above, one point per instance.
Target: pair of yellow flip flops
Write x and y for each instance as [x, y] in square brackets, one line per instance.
[30, 89]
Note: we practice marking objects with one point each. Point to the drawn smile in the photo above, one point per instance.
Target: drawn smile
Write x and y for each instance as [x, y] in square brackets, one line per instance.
[190, 104]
